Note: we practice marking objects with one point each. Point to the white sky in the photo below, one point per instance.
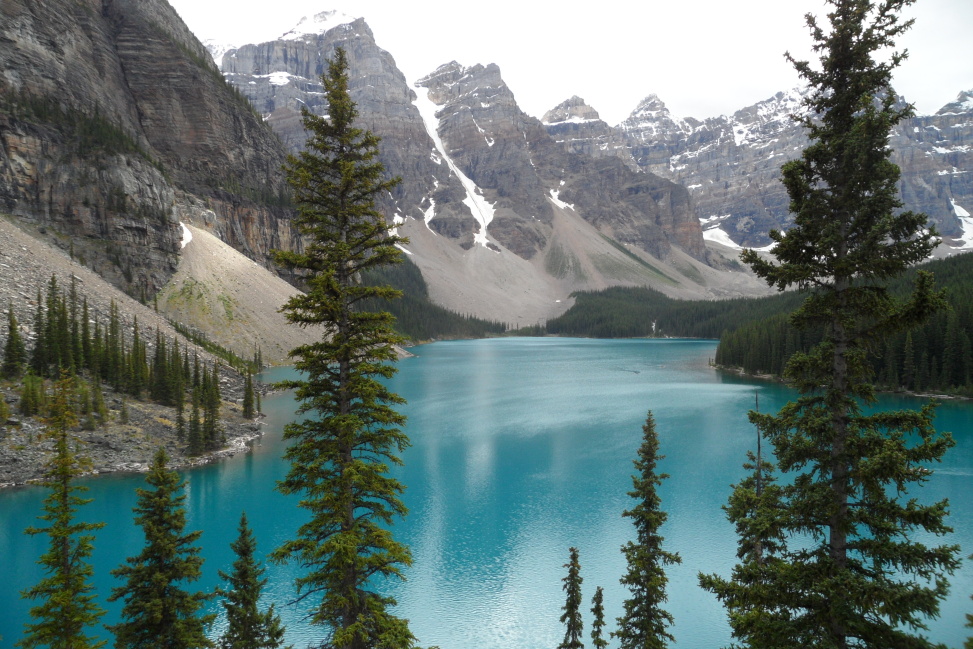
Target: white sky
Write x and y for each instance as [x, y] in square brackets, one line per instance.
[703, 58]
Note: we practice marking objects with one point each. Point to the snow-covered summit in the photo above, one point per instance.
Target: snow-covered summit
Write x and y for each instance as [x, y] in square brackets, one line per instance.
[217, 49]
[652, 119]
[317, 24]
[963, 104]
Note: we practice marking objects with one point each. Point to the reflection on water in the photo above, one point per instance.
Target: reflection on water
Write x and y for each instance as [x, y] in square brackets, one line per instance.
[521, 449]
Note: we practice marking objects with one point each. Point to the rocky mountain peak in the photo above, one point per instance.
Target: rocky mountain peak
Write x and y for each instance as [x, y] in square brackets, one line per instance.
[963, 104]
[571, 110]
[317, 25]
[651, 118]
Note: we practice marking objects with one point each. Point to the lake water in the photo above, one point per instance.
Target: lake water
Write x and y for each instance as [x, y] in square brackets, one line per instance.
[521, 448]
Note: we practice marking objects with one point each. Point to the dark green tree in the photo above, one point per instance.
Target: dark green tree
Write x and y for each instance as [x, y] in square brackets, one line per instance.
[645, 623]
[14, 350]
[341, 454]
[247, 626]
[158, 611]
[854, 577]
[598, 623]
[248, 404]
[571, 618]
[67, 607]
[748, 595]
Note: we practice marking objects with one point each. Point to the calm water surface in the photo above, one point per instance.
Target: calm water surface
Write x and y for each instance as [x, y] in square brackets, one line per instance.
[521, 448]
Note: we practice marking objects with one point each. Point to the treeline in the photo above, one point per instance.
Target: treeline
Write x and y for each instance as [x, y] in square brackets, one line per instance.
[936, 356]
[69, 342]
[416, 317]
[639, 312]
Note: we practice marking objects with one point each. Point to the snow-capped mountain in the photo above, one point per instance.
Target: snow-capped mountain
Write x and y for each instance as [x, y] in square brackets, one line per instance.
[731, 164]
[500, 217]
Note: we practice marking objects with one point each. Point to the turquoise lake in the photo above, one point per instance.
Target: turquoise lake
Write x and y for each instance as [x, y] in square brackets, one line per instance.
[520, 449]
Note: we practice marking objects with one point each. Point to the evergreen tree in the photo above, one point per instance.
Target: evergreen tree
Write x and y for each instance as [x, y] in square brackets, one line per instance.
[748, 595]
[571, 618]
[645, 623]
[158, 611]
[340, 455]
[39, 353]
[248, 411]
[247, 626]
[854, 576]
[67, 605]
[598, 624]
[14, 350]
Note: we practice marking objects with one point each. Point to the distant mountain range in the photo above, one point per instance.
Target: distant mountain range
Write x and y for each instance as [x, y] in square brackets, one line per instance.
[505, 179]
[115, 125]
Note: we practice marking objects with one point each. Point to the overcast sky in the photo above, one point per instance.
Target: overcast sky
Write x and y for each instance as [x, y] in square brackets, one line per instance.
[703, 58]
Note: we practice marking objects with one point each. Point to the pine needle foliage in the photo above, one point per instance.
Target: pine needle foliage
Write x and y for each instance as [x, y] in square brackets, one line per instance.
[645, 622]
[67, 605]
[158, 611]
[748, 595]
[852, 575]
[571, 618]
[598, 622]
[247, 626]
[340, 454]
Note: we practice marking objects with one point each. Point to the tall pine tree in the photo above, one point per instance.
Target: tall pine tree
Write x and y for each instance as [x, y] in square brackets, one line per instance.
[853, 576]
[645, 623]
[14, 350]
[340, 455]
[571, 618]
[247, 626]
[158, 611]
[598, 621]
[67, 607]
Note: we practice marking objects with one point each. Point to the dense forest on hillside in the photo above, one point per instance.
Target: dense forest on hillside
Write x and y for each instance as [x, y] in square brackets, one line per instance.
[416, 317]
[636, 312]
[69, 341]
[755, 334]
[936, 356]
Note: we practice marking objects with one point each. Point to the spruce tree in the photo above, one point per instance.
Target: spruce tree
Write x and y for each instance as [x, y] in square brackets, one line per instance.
[248, 411]
[598, 621]
[854, 576]
[247, 626]
[67, 607]
[571, 618]
[158, 611]
[14, 350]
[748, 595]
[340, 455]
[645, 623]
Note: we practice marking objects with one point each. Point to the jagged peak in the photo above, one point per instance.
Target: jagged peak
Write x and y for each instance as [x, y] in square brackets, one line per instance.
[571, 110]
[452, 73]
[963, 104]
[318, 24]
[217, 49]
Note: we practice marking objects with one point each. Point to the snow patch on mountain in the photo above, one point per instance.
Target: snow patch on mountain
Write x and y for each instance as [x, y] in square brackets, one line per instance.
[317, 25]
[712, 231]
[187, 235]
[557, 201]
[651, 119]
[482, 209]
[217, 49]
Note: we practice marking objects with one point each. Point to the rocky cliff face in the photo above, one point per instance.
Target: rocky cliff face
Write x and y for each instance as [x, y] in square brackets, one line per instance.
[114, 124]
[486, 191]
[731, 165]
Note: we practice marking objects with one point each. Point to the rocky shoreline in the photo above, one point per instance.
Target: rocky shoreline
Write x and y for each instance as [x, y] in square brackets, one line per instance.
[115, 447]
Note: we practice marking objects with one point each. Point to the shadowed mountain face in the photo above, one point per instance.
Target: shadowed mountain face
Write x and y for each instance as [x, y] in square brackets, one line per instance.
[114, 124]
